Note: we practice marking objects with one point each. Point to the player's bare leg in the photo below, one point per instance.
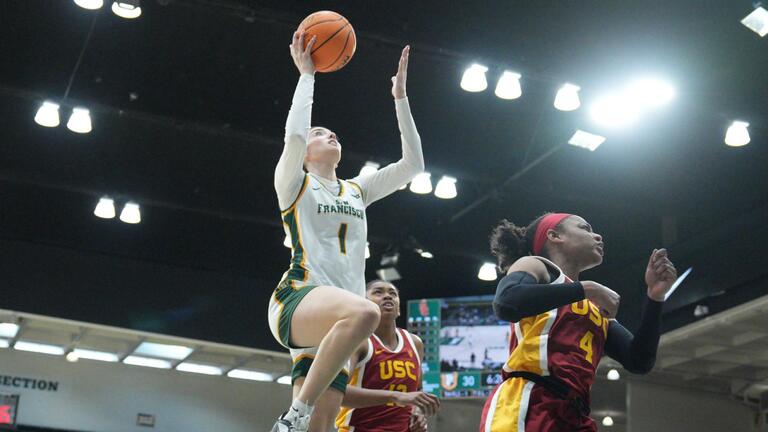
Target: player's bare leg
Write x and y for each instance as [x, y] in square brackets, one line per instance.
[337, 322]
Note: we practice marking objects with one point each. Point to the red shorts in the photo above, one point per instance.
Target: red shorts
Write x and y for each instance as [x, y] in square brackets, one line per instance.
[518, 405]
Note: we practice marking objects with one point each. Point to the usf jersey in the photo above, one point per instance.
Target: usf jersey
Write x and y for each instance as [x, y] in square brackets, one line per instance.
[328, 234]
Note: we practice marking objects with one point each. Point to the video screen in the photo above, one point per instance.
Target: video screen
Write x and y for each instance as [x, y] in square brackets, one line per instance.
[471, 338]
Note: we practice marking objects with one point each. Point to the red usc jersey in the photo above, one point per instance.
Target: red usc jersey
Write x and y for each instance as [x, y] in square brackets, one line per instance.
[383, 369]
[566, 342]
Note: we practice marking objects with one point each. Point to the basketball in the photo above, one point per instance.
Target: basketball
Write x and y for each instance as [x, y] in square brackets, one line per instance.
[335, 43]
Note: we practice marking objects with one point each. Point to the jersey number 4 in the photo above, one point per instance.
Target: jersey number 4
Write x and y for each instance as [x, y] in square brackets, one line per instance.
[586, 345]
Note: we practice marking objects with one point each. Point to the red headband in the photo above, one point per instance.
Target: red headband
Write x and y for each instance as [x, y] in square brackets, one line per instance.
[547, 223]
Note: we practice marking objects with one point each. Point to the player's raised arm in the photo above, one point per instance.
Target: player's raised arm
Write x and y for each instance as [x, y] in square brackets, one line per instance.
[390, 178]
[637, 352]
[289, 174]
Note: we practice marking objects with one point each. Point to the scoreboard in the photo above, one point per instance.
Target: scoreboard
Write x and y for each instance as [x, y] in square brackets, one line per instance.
[426, 320]
[461, 384]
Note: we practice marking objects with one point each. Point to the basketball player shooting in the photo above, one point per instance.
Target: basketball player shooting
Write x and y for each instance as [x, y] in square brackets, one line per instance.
[318, 309]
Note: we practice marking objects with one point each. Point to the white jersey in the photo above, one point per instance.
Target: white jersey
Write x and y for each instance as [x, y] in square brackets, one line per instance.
[326, 219]
[328, 234]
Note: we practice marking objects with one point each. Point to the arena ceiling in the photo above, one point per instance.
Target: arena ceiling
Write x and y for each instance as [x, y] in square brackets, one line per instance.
[189, 104]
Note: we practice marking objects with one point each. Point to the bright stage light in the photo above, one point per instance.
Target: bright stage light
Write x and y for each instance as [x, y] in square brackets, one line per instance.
[567, 98]
[128, 9]
[487, 272]
[737, 134]
[474, 79]
[422, 184]
[446, 188]
[586, 140]
[369, 168]
[48, 114]
[757, 21]
[508, 86]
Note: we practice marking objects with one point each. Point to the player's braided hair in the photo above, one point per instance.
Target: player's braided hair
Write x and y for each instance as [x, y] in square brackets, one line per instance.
[510, 242]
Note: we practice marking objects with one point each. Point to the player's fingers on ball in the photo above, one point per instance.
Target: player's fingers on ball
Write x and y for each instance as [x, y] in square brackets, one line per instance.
[311, 43]
[302, 40]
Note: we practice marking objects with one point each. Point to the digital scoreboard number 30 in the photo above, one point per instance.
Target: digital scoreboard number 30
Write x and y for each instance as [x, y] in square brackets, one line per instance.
[9, 407]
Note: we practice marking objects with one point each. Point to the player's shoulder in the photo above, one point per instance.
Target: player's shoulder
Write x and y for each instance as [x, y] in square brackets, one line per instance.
[535, 266]
[354, 183]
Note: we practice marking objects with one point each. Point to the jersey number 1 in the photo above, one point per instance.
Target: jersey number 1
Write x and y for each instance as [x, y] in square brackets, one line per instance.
[343, 238]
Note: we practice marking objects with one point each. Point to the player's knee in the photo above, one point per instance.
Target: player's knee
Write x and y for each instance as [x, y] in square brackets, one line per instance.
[368, 316]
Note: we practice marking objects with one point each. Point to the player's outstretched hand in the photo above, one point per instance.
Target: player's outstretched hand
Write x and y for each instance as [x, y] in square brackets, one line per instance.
[659, 275]
[426, 402]
[398, 81]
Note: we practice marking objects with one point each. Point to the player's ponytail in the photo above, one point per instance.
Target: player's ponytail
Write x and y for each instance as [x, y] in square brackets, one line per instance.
[510, 242]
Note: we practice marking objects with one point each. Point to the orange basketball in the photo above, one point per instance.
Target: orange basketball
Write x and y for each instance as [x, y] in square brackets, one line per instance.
[336, 42]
